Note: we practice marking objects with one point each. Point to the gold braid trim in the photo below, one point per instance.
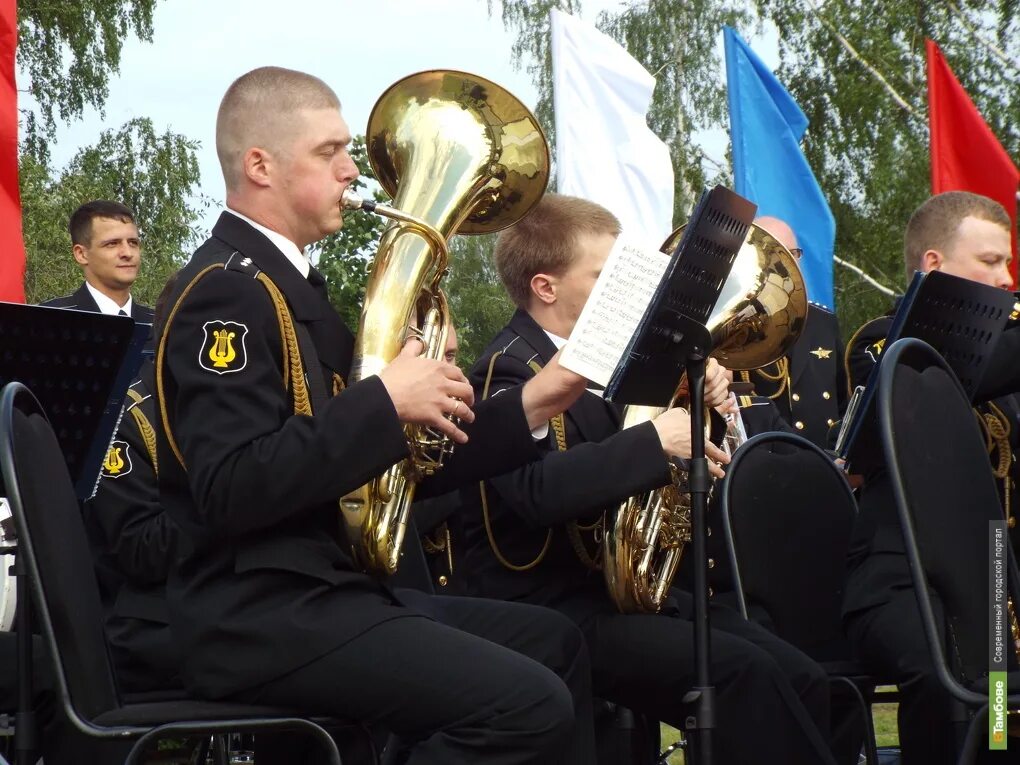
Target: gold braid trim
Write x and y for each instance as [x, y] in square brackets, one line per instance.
[573, 528]
[293, 369]
[996, 427]
[486, 517]
[338, 384]
[292, 364]
[144, 428]
[782, 377]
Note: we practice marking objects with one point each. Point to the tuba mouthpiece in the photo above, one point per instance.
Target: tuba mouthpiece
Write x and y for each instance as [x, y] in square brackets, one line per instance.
[351, 200]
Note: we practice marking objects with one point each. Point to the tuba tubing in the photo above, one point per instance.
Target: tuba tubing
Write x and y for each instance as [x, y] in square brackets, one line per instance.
[457, 154]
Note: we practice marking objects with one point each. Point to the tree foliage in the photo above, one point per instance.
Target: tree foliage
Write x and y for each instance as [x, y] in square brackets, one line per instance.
[69, 50]
[155, 175]
[869, 153]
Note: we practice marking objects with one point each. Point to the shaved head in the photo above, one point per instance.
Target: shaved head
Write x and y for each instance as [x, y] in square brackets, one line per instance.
[780, 229]
[260, 110]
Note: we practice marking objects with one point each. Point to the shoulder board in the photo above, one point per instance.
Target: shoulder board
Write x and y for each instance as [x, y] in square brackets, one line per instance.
[242, 264]
[519, 349]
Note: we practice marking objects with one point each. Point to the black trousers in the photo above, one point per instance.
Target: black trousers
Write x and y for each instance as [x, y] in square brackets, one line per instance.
[772, 701]
[482, 681]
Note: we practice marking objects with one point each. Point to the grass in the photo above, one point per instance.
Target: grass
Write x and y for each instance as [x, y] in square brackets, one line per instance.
[885, 731]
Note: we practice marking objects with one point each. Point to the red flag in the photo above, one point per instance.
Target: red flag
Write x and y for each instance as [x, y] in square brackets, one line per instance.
[965, 154]
[12, 247]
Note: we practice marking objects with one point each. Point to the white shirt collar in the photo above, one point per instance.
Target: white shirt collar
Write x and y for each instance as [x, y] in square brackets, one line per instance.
[107, 305]
[558, 341]
[290, 250]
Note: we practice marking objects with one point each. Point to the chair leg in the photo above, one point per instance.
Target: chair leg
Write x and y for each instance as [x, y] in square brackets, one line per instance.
[870, 747]
[978, 724]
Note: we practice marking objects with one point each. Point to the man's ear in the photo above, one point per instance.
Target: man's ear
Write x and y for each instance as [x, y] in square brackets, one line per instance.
[257, 165]
[81, 256]
[543, 288]
[932, 260]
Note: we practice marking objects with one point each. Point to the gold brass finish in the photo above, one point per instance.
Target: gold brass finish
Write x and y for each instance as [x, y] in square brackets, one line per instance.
[458, 154]
[760, 314]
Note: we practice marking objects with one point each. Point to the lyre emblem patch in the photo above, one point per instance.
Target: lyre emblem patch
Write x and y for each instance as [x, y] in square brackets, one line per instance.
[223, 349]
[118, 460]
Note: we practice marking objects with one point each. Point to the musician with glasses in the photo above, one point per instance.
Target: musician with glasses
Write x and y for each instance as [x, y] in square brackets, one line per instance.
[969, 236]
[808, 384]
[533, 535]
[266, 602]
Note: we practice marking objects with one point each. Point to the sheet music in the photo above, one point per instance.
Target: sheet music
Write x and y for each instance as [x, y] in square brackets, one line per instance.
[616, 304]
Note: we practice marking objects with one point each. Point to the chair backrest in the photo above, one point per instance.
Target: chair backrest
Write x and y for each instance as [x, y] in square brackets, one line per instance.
[945, 495]
[788, 513]
[51, 537]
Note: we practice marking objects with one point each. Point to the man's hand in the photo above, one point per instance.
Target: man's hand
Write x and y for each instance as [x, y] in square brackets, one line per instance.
[674, 429]
[428, 391]
[717, 383]
[553, 390]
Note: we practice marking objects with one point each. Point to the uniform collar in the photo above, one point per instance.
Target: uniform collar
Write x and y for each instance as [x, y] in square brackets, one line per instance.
[107, 305]
[290, 251]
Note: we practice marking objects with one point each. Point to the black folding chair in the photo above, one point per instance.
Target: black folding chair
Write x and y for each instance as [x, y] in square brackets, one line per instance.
[787, 514]
[946, 498]
[52, 544]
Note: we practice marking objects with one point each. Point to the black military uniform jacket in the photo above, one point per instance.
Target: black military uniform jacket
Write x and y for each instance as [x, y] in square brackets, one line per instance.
[264, 584]
[81, 300]
[877, 546]
[139, 539]
[601, 467]
[808, 385]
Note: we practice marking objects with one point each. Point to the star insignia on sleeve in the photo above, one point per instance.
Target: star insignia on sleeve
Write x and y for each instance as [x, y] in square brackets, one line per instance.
[821, 352]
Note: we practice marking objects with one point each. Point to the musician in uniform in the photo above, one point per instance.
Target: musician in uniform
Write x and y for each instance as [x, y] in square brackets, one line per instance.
[267, 604]
[532, 535]
[134, 541]
[807, 385]
[105, 243]
[966, 235]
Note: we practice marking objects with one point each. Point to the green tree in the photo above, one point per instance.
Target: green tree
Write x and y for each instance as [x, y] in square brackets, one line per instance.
[156, 175]
[69, 50]
[478, 302]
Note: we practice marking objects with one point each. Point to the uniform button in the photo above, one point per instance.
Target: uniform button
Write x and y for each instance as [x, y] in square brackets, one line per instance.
[798, 425]
[1012, 522]
[708, 533]
[443, 580]
[796, 397]
[711, 563]
[711, 592]
[826, 395]
[830, 422]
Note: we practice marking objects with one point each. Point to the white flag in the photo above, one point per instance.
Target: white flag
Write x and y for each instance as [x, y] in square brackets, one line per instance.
[605, 151]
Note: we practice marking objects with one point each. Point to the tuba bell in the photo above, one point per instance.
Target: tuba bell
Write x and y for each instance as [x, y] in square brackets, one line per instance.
[760, 313]
[457, 154]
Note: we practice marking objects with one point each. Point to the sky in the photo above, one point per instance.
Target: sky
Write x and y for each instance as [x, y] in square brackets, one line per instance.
[200, 46]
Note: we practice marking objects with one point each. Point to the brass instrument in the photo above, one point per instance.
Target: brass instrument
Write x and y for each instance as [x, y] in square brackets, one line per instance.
[760, 313]
[457, 154]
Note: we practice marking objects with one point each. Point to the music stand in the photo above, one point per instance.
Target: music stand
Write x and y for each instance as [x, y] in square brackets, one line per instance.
[670, 338]
[959, 318]
[79, 365]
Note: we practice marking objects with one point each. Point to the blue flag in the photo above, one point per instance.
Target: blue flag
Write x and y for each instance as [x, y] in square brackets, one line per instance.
[769, 168]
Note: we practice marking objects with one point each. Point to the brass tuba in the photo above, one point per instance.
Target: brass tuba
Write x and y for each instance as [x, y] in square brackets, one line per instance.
[457, 154]
[759, 315]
